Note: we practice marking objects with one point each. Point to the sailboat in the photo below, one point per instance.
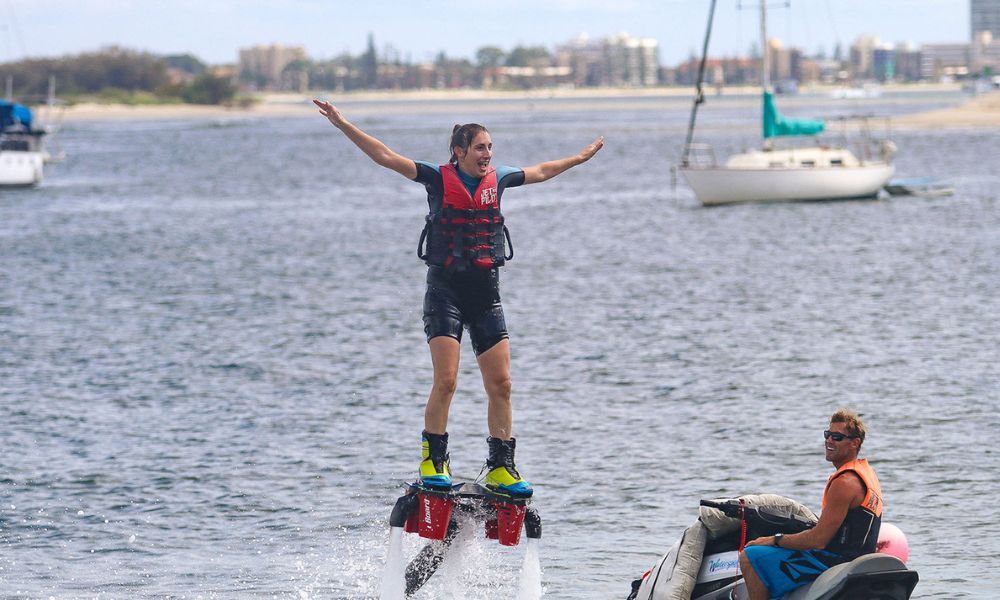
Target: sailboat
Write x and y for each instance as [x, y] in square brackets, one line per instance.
[21, 154]
[814, 172]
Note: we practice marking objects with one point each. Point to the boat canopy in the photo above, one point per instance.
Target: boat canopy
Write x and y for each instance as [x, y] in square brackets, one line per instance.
[14, 114]
[777, 125]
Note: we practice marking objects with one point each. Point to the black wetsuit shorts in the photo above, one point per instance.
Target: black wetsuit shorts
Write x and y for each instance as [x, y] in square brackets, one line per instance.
[469, 299]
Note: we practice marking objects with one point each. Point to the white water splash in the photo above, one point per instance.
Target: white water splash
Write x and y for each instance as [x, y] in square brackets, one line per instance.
[394, 576]
[530, 587]
[458, 572]
[473, 567]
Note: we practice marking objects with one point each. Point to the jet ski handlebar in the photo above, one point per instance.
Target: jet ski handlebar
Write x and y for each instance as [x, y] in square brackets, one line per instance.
[730, 507]
[765, 521]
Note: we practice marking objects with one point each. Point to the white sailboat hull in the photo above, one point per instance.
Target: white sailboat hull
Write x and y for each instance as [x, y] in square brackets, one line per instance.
[729, 185]
[20, 168]
[773, 173]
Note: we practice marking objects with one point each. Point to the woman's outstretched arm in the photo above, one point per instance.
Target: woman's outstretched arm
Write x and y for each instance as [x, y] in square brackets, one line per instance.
[549, 169]
[373, 147]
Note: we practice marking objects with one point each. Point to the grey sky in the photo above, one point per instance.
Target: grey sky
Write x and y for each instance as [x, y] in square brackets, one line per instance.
[214, 30]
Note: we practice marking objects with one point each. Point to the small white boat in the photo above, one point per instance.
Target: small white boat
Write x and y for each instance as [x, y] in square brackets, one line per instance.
[920, 186]
[808, 173]
[815, 172]
[21, 154]
[857, 93]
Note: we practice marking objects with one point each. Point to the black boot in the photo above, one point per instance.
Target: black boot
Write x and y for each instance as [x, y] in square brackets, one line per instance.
[434, 466]
[503, 476]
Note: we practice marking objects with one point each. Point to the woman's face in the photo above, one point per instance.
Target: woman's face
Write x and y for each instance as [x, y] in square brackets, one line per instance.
[475, 159]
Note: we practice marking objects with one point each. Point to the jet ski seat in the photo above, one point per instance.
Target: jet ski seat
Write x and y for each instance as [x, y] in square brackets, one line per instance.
[855, 579]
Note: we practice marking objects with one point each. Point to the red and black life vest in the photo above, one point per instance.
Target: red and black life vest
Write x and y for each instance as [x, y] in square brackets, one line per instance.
[466, 231]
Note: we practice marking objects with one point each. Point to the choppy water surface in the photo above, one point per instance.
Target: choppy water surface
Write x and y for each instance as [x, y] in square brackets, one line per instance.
[213, 367]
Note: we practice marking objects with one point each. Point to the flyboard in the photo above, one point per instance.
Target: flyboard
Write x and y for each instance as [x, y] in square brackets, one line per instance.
[437, 514]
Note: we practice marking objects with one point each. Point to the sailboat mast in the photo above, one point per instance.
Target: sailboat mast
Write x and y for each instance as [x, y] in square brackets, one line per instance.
[765, 54]
[699, 96]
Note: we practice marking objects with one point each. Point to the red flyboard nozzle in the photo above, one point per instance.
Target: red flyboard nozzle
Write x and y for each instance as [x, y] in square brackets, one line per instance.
[432, 515]
[510, 519]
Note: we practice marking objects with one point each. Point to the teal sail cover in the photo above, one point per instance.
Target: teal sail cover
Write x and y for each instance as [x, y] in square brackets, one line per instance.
[775, 124]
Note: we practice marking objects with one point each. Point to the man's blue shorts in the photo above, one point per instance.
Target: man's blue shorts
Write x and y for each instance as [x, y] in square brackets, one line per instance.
[782, 570]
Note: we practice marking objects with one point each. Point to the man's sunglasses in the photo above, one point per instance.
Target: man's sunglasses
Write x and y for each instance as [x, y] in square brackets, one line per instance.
[837, 436]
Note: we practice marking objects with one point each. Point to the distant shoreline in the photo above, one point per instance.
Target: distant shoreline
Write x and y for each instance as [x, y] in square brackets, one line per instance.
[982, 111]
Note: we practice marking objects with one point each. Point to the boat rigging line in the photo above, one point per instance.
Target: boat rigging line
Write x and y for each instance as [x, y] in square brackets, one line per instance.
[699, 93]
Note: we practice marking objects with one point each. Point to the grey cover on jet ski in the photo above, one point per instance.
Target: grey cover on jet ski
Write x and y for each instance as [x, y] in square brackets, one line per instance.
[719, 524]
[675, 574]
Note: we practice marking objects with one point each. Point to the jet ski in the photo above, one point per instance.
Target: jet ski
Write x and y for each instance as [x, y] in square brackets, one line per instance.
[704, 563]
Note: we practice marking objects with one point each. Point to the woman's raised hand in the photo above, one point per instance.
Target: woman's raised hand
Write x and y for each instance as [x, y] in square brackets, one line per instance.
[330, 112]
[592, 149]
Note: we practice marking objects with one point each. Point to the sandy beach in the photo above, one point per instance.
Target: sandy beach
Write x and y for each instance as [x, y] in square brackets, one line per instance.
[90, 111]
[982, 111]
[369, 102]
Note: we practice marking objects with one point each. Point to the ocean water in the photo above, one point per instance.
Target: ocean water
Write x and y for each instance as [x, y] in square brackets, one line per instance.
[213, 370]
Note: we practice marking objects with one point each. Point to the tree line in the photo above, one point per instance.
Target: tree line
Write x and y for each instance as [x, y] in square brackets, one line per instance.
[120, 75]
[389, 69]
[127, 76]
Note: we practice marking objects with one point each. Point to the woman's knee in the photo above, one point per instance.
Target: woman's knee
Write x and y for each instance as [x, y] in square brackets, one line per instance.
[445, 383]
[498, 385]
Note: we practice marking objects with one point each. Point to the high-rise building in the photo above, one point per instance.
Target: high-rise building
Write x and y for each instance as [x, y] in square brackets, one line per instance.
[944, 60]
[984, 16]
[619, 60]
[266, 66]
[984, 55]
[908, 61]
[862, 56]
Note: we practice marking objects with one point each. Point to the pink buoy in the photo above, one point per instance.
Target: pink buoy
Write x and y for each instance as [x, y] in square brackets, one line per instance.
[892, 541]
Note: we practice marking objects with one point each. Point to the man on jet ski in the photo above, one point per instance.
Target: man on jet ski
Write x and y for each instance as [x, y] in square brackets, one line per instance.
[848, 525]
